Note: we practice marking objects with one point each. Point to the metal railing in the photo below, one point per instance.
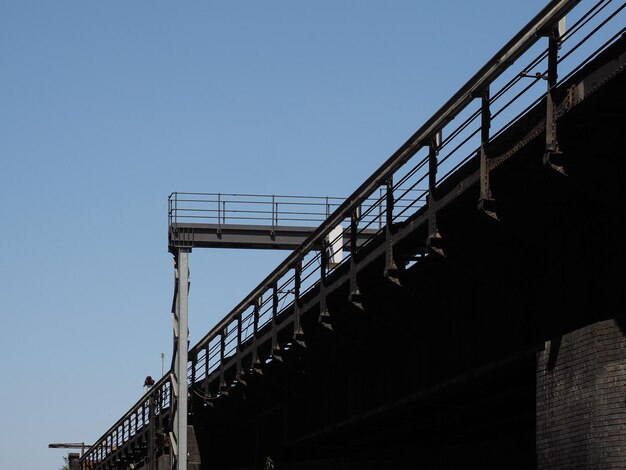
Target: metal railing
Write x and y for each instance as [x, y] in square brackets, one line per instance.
[502, 92]
[135, 422]
[265, 210]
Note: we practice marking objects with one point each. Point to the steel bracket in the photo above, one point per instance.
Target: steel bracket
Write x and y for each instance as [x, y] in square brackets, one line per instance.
[433, 242]
[391, 272]
[553, 157]
[324, 316]
[486, 202]
[354, 296]
[298, 333]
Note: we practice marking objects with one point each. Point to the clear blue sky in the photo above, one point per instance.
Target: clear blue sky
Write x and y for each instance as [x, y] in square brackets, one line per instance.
[108, 106]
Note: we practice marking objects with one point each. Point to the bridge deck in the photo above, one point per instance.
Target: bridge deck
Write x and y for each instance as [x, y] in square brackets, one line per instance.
[439, 358]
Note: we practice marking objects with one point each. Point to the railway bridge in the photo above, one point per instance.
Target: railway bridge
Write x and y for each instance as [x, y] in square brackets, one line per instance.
[465, 306]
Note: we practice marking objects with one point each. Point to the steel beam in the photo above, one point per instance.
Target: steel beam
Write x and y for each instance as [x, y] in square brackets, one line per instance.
[195, 235]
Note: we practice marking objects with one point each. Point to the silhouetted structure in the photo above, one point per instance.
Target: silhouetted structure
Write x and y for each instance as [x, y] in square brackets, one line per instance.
[479, 322]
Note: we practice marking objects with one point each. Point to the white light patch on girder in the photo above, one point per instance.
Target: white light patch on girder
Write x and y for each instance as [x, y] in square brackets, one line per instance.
[335, 246]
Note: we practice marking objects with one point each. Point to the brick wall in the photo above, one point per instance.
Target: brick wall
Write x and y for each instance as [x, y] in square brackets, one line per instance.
[581, 400]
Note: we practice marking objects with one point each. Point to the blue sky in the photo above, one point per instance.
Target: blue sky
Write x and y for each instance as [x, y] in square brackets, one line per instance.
[108, 106]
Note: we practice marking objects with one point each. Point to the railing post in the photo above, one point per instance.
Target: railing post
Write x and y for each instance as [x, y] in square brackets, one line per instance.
[298, 334]
[206, 369]
[276, 352]
[169, 211]
[223, 384]
[324, 316]
[380, 208]
[194, 361]
[274, 217]
[391, 269]
[256, 360]
[176, 208]
[553, 157]
[152, 451]
[355, 294]
[219, 212]
[240, 374]
[486, 203]
[434, 237]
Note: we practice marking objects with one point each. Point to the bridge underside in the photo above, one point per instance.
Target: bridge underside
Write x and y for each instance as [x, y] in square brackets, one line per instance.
[443, 370]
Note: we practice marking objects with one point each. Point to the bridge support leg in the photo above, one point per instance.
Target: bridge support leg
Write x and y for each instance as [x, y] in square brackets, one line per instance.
[181, 333]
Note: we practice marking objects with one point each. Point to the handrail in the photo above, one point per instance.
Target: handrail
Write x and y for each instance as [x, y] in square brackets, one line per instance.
[252, 209]
[160, 388]
[521, 42]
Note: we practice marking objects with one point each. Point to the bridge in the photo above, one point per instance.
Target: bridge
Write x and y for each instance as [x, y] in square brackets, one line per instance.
[465, 306]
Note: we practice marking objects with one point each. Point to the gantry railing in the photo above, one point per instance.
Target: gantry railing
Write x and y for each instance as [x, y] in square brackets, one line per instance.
[398, 198]
[270, 210]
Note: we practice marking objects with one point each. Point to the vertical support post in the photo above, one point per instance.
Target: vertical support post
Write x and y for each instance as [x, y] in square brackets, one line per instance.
[181, 330]
[553, 157]
[152, 455]
[274, 217]
[175, 208]
[434, 238]
[276, 353]
[219, 213]
[486, 203]
[391, 270]
[223, 384]
[324, 317]
[206, 370]
[240, 373]
[256, 361]
[298, 334]
[355, 294]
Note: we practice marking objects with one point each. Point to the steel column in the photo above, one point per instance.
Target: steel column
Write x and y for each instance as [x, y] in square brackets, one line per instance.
[181, 331]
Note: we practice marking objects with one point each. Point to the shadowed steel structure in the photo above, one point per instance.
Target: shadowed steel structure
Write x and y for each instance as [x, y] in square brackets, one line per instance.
[256, 221]
[475, 209]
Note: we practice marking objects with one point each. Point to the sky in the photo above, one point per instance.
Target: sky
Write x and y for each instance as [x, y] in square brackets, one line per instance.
[106, 107]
